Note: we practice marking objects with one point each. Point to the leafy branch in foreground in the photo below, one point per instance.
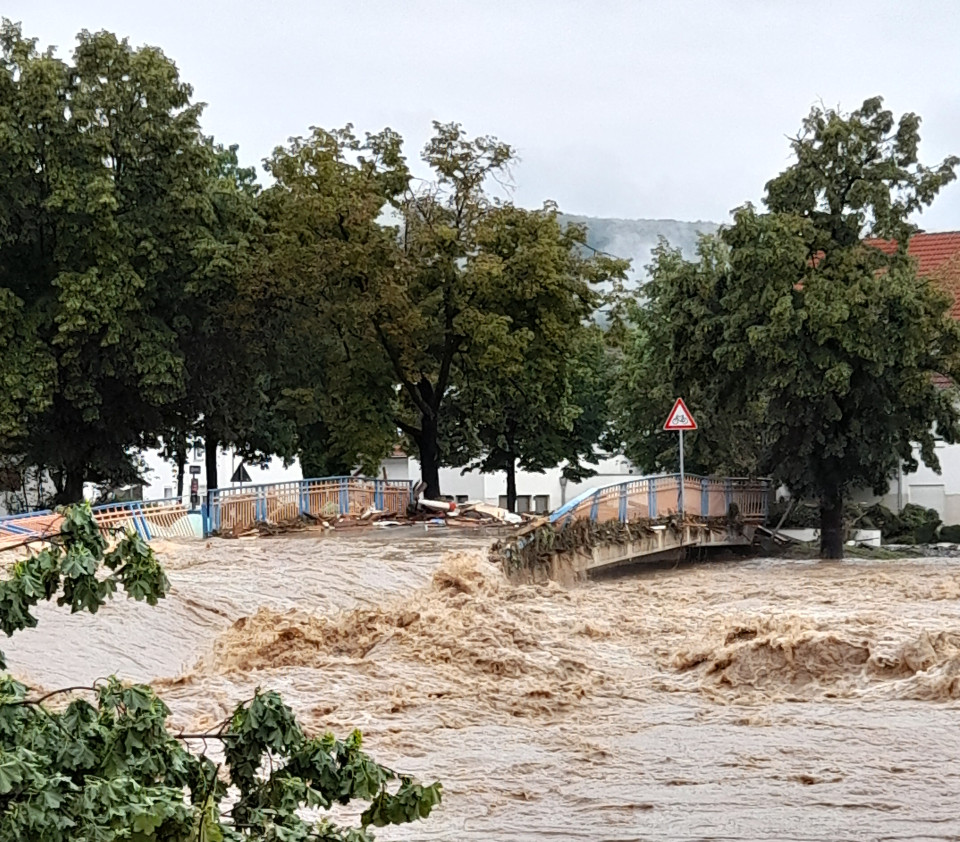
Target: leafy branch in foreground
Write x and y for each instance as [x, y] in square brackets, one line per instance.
[108, 768]
[69, 564]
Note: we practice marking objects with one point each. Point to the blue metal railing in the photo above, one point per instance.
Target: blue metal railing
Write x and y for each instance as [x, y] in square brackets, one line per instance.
[167, 518]
[232, 509]
[22, 515]
[150, 519]
[658, 496]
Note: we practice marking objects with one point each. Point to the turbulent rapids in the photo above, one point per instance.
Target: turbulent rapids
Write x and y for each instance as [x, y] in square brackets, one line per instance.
[735, 700]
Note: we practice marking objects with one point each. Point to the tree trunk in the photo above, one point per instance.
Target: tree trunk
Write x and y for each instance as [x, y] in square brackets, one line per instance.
[831, 523]
[181, 468]
[210, 445]
[429, 457]
[72, 489]
[511, 484]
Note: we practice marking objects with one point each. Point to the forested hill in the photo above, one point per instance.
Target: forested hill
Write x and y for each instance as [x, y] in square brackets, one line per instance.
[635, 238]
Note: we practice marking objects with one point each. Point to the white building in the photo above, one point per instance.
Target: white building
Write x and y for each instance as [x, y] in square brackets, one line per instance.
[160, 475]
[535, 492]
[927, 488]
[538, 493]
[931, 490]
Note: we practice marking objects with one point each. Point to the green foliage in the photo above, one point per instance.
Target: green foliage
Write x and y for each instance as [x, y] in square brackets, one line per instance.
[950, 534]
[152, 295]
[110, 770]
[404, 306]
[806, 351]
[226, 397]
[317, 772]
[120, 237]
[805, 514]
[536, 396]
[322, 290]
[70, 565]
[677, 325]
[913, 525]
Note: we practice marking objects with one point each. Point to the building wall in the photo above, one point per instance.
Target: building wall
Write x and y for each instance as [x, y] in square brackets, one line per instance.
[925, 487]
[160, 479]
[491, 487]
[938, 491]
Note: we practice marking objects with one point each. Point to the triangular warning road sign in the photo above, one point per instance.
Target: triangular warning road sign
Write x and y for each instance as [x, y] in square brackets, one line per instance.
[240, 475]
[680, 418]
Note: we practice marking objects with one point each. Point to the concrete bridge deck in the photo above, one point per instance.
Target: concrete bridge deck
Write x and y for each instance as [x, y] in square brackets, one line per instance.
[717, 512]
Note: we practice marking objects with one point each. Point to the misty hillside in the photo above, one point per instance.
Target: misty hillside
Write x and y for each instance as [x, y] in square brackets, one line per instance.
[635, 238]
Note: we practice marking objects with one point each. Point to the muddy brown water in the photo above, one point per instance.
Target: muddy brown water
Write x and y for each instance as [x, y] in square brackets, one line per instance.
[742, 700]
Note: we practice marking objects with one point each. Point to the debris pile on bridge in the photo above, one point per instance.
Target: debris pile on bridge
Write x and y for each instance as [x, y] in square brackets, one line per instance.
[553, 550]
[535, 551]
[428, 513]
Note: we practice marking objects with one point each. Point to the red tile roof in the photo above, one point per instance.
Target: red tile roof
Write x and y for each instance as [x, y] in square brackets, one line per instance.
[938, 258]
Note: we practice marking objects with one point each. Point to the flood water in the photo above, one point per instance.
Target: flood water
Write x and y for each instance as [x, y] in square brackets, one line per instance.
[745, 700]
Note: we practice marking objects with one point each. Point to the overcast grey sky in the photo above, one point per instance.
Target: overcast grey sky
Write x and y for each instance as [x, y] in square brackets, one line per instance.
[626, 109]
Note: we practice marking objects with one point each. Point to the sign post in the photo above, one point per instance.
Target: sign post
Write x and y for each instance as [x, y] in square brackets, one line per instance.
[679, 420]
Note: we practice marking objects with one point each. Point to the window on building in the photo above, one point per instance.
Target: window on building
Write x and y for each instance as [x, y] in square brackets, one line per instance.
[198, 452]
[502, 503]
[523, 503]
[541, 504]
[167, 493]
[462, 498]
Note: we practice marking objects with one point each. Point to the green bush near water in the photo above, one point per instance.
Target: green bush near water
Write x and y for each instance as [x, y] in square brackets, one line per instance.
[913, 525]
[950, 534]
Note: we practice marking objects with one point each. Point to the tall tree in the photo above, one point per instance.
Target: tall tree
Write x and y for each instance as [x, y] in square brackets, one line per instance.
[445, 288]
[812, 333]
[537, 395]
[102, 201]
[377, 280]
[321, 292]
[224, 401]
[677, 322]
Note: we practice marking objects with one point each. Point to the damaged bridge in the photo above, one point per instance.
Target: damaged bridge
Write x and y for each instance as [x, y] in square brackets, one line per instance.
[642, 519]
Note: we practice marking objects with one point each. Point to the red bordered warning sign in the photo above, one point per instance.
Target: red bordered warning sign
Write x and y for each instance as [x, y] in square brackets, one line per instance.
[680, 418]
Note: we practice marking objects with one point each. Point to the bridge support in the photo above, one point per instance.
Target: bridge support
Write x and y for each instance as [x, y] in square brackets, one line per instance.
[663, 543]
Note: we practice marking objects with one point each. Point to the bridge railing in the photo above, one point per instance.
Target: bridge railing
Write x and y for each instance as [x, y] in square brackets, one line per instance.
[234, 509]
[14, 529]
[658, 496]
[226, 509]
[148, 518]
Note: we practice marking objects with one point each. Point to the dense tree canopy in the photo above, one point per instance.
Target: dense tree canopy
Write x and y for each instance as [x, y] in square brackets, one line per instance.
[393, 297]
[807, 350]
[224, 399]
[317, 296]
[103, 207]
[537, 396]
[152, 293]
